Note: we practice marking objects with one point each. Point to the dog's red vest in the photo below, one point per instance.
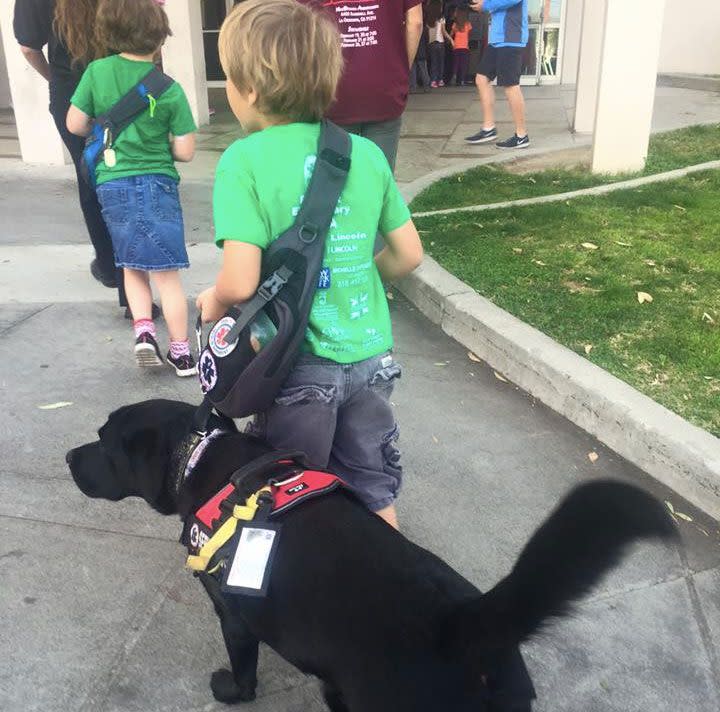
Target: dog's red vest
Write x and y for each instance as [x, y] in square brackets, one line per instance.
[201, 525]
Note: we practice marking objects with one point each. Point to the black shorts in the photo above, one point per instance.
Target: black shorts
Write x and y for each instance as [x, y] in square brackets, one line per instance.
[505, 63]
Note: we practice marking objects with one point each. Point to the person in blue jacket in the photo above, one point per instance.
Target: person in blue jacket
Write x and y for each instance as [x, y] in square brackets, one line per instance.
[503, 59]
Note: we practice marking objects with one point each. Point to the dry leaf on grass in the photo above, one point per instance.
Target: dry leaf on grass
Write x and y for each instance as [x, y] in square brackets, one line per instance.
[680, 207]
[706, 317]
[517, 250]
[539, 262]
[588, 348]
[531, 179]
[589, 245]
[593, 457]
[623, 244]
[643, 297]
[500, 377]
[473, 357]
[55, 406]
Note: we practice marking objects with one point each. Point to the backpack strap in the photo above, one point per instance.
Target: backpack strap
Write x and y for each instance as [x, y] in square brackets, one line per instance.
[150, 88]
[326, 185]
[312, 223]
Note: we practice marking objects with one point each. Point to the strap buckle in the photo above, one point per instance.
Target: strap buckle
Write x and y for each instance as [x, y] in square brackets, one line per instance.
[269, 289]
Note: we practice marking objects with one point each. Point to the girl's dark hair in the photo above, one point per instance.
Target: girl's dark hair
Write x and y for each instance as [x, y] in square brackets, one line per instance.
[134, 26]
[461, 17]
[433, 12]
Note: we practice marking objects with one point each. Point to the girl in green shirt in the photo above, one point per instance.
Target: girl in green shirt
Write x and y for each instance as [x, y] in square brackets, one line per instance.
[137, 183]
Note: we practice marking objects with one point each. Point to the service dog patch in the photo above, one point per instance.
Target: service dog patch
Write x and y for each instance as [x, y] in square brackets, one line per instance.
[218, 345]
[207, 371]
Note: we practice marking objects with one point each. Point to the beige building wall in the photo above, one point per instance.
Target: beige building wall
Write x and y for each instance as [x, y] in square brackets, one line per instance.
[5, 100]
[691, 38]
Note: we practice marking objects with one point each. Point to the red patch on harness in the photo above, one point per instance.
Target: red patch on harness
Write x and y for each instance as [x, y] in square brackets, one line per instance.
[285, 495]
[301, 487]
[211, 509]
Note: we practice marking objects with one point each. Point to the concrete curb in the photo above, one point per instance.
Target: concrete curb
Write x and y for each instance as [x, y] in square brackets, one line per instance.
[413, 188]
[673, 451]
[594, 190]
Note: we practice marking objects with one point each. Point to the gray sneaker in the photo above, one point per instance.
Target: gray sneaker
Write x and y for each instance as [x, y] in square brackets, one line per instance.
[482, 136]
[514, 142]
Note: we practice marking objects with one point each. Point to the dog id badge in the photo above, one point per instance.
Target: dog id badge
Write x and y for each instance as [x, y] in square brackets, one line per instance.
[250, 561]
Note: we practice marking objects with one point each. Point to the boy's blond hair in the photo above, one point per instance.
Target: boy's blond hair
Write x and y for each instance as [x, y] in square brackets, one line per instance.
[290, 54]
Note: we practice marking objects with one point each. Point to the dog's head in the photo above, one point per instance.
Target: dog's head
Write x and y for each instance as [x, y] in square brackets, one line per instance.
[134, 454]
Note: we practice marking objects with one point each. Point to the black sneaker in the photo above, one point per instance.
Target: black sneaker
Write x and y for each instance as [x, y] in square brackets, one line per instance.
[184, 365]
[483, 136]
[156, 313]
[514, 142]
[107, 280]
[147, 352]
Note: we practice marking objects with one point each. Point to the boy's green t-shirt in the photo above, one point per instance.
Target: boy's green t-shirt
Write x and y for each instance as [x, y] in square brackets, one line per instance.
[259, 186]
[144, 146]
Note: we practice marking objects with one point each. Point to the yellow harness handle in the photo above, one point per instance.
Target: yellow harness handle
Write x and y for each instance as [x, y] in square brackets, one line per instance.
[245, 513]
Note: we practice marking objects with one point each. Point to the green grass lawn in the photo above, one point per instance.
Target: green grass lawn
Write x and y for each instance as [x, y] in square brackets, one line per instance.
[663, 240]
[494, 183]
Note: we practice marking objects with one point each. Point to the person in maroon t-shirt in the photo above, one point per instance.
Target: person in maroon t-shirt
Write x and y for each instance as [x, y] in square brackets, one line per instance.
[380, 39]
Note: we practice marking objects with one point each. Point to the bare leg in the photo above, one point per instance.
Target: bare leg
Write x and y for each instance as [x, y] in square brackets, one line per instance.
[139, 295]
[517, 107]
[389, 515]
[174, 304]
[487, 100]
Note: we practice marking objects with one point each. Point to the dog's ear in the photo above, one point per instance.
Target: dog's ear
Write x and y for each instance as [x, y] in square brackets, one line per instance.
[148, 461]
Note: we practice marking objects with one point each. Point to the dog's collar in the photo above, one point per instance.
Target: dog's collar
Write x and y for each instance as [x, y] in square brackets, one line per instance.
[190, 452]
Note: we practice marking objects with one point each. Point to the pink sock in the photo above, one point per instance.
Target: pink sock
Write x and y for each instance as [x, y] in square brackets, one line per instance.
[143, 326]
[179, 348]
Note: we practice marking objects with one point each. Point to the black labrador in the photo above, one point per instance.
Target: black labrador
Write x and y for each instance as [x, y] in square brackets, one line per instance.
[386, 625]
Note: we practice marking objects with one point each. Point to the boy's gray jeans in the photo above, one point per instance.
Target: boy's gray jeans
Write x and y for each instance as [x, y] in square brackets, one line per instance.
[340, 416]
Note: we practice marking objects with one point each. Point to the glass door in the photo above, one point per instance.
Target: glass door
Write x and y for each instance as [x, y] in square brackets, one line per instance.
[540, 64]
[214, 13]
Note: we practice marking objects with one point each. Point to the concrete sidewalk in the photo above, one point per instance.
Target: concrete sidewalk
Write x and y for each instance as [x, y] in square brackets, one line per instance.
[97, 612]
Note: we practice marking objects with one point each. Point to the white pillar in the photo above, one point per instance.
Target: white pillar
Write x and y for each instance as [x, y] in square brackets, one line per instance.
[184, 55]
[626, 93]
[571, 41]
[588, 69]
[39, 139]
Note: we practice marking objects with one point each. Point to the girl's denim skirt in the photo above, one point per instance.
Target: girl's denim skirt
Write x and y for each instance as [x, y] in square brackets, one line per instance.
[144, 219]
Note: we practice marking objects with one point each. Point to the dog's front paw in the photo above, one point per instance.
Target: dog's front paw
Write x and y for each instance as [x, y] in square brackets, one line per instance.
[226, 689]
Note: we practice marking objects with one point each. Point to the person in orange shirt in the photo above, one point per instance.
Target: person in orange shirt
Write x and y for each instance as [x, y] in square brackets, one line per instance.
[461, 45]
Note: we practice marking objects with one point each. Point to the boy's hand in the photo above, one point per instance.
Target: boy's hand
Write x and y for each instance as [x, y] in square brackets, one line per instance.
[209, 306]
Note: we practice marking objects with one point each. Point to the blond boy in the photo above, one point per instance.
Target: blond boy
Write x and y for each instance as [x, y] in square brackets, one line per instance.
[283, 61]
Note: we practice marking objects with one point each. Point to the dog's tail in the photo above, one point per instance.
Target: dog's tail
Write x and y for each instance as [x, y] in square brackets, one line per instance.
[585, 536]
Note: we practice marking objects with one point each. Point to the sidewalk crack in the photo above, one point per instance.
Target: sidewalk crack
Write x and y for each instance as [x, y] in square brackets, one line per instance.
[24, 319]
